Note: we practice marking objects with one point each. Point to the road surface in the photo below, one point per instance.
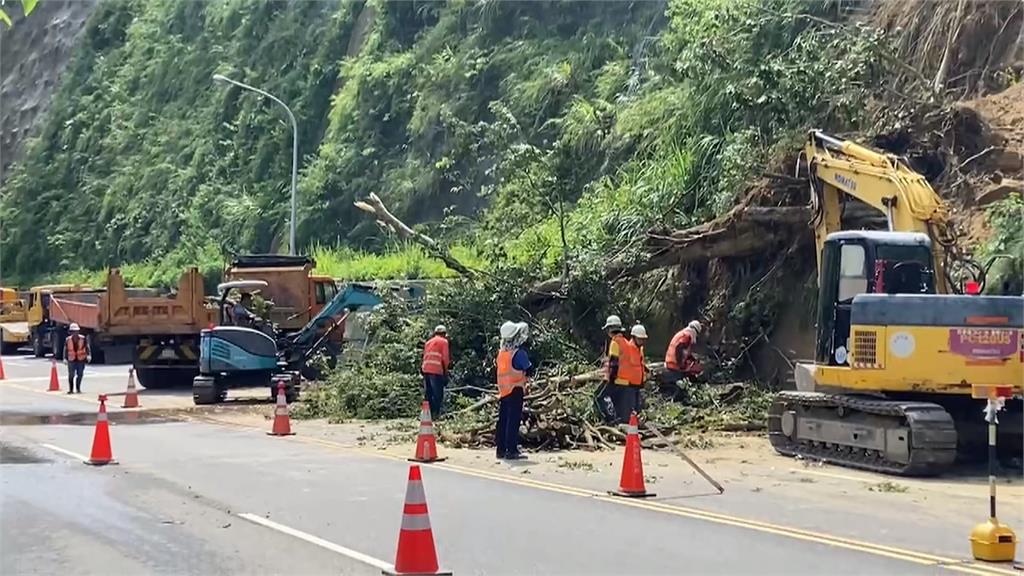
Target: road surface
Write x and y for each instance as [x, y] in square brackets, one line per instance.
[192, 496]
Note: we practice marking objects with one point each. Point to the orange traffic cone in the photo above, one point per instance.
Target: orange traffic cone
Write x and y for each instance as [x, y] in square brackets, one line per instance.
[131, 396]
[282, 425]
[426, 443]
[416, 553]
[2, 375]
[631, 484]
[54, 380]
[101, 453]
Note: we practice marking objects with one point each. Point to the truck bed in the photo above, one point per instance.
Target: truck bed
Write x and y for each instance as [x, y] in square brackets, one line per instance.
[120, 311]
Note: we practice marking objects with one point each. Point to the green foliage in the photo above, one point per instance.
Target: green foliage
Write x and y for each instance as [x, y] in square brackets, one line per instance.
[407, 262]
[1007, 274]
[27, 6]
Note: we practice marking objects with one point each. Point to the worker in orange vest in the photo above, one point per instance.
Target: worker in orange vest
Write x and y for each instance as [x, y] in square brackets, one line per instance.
[679, 360]
[514, 368]
[633, 371]
[76, 352]
[436, 363]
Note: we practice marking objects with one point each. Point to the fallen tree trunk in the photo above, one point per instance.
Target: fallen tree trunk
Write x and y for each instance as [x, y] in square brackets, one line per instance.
[386, 219]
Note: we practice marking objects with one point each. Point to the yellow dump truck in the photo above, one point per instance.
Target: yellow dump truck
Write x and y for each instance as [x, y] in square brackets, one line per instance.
[13, 320]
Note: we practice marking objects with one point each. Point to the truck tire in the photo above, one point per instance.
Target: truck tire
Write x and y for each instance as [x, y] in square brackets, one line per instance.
[95, 349]
[38, 346]
[57, 338]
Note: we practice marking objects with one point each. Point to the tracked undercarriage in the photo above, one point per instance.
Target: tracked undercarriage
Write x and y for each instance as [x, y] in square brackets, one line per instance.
[888, 436]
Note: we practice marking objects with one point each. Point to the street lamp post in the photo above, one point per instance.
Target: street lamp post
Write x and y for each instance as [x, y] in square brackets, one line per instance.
[295, 147]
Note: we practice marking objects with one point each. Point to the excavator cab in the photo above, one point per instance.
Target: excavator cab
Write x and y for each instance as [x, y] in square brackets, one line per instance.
[865, 262]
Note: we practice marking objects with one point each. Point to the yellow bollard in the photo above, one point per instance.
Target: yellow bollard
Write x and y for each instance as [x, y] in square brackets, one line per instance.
[990, 540]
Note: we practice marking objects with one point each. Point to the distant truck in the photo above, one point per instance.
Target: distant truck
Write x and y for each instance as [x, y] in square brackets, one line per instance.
[13, 320]
[297, 293]
[42, 332]
[158, 334]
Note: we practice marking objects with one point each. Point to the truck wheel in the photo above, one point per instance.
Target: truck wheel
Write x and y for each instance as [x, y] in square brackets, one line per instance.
[95, 349]
[38, 348]
[57, 338]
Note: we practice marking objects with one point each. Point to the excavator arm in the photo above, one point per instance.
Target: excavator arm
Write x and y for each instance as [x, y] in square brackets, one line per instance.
[887, 184]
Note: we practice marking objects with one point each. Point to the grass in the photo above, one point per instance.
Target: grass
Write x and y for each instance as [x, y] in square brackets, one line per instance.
[407, 262]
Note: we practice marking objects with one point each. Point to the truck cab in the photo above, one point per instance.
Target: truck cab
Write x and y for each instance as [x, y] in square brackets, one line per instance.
[13, 325]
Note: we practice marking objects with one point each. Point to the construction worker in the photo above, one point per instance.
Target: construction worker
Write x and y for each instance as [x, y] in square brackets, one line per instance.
[514, 368]
[436, 363]
[678, 359]
[242, 313]
[633, 370]
[613, 388]
[76, 352]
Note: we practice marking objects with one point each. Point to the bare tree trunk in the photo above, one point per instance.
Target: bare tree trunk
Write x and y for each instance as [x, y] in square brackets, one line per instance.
[376, 207]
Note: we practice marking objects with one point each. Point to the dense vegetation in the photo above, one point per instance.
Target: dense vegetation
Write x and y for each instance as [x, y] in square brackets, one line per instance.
[538, 138]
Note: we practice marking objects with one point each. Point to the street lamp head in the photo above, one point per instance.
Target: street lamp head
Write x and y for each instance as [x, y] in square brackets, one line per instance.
[220, 78]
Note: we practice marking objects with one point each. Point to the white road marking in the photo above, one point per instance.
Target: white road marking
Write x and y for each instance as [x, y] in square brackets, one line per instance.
[74, 455]
[28, 379]
[359, 556]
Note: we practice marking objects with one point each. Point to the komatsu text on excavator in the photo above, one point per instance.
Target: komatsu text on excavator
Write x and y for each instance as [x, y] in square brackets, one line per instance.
[898, 348]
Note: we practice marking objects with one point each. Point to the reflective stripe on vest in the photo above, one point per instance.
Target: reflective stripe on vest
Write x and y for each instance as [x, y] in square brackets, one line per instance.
[508, 377]
[684, 336]
[433, 360]
[75, 353]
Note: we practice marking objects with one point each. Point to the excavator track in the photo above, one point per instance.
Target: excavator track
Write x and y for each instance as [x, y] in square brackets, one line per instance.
[888, 436]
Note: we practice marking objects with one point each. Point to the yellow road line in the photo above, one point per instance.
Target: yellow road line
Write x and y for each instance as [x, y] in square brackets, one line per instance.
[683, 511]
[61, 394]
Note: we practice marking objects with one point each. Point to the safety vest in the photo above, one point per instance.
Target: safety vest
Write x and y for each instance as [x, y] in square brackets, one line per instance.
[76, 348]
[434, 356]
[684, 336]
[631, 365]
[508, 377]
[622, 344]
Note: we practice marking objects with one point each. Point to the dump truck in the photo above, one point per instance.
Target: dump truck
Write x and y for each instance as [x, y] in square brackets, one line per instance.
[157, 333]
[297, 293]
[42, 333]
[13, 320]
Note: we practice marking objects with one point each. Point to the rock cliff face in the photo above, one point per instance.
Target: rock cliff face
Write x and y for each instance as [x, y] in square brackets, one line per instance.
[33, 54]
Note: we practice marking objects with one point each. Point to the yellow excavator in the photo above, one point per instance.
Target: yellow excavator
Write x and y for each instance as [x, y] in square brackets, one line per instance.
[897, 347]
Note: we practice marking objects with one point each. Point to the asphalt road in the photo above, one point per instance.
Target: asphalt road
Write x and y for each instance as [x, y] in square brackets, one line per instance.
[192, 497]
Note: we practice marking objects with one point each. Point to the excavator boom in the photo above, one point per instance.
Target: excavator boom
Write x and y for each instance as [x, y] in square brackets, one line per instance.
[885, 183]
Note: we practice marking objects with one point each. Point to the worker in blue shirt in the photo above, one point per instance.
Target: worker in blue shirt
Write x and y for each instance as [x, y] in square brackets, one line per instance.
[514, 369]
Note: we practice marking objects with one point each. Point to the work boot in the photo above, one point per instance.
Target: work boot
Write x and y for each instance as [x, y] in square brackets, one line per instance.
[71, 391]
[78, 390]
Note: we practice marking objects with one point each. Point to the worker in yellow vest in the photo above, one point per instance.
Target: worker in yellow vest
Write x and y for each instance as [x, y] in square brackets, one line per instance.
[612, 391]
[514, 369]
[76, 352]
[633, 371]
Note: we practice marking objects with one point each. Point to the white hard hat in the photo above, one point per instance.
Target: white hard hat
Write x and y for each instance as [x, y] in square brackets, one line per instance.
[508, 330]
[695, 326]
[639, 331]
[74, 327]
[613, 321]
[440, 329]
[522, 328]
